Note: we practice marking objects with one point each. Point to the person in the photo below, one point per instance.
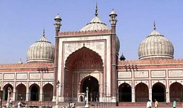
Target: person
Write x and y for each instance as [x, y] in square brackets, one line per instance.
[19, 104]
[148, 104]
[156, 104]
[85, 99]
[10, 103]
[174, 103]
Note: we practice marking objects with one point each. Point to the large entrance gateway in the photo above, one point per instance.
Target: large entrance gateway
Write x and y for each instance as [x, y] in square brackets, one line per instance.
[81, 67]
[93, 87]
[125, 93]
[158, 92]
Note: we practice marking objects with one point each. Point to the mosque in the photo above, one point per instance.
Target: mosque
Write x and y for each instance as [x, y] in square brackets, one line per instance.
[89, 59]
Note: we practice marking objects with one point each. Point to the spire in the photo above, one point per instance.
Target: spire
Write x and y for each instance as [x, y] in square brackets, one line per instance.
[154, 25]
[43, 32]
[96, 10]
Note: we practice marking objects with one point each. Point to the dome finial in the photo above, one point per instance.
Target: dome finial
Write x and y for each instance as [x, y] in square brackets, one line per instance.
[96, 10]
[154, 25]
[43, 32]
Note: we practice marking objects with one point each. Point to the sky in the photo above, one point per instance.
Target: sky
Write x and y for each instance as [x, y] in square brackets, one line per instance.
[22, 23]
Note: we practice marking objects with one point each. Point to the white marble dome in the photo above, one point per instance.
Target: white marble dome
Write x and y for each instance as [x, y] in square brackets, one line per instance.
[156, 46]
[95, 24]
[41, 51]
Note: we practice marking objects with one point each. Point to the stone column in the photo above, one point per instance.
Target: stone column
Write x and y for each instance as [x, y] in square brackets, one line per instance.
[150, 94]
[114, 56]
[57, 29]
[167, 96]
[133, 94]
[8, 99]
[14, 94]
[27, 94]
[41, 95]
[87, 105]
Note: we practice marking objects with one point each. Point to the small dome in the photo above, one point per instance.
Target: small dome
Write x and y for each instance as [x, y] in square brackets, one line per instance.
[155, 46]
[95, 24]
[113, 12]
[122, 58]
[41, 51]
[58, 18]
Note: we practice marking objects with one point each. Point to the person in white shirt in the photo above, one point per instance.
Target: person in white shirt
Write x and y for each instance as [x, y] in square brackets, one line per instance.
[148, 104]
[11, 103]
[19, 104]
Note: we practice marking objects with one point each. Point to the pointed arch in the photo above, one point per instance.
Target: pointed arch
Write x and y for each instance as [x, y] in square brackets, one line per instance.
[141, 92]
[125, 92]
[5, 91]
[93, 86]
[34, 92]
[80, 63]
[176, 91]
[84, 58]
[158, 92]
[21, 92]
[47, 92]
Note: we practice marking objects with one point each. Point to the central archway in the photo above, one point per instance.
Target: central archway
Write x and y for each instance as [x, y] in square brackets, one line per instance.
[80, 63]
[93, 87]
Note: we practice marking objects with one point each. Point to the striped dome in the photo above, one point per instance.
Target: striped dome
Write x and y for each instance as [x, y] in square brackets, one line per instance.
[156, 46]
[41, 51]
[95, 24]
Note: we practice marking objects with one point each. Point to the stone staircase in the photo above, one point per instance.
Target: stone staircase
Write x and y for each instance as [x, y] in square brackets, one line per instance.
[160, 104]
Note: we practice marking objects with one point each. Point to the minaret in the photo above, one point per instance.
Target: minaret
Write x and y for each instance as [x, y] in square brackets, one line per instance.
[113, 21]
[57, 25]
[114, 55]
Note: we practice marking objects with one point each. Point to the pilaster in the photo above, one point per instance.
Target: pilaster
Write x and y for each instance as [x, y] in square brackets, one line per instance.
[167, 96]
[27, 94]
[133, 94]
[41, 95]
[14, 94]
[150, 94]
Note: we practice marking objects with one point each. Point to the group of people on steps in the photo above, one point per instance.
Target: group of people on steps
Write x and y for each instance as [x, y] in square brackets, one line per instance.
[149, 104]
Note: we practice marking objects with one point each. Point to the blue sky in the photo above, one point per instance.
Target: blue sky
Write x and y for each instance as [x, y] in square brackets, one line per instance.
[22, 22]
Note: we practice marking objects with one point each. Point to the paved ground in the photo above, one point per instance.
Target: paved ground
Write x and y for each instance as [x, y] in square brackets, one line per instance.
[126, 107]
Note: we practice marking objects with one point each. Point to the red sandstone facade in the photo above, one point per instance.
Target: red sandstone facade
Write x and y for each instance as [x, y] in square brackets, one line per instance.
[89, 59]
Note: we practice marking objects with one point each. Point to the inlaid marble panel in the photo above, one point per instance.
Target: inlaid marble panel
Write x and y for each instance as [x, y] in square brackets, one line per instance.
[158, 73]
[9, 76]
[175, 73]
[124, 74]
[48, 76]
[35, 76]
[22, 76]
[141, 73]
